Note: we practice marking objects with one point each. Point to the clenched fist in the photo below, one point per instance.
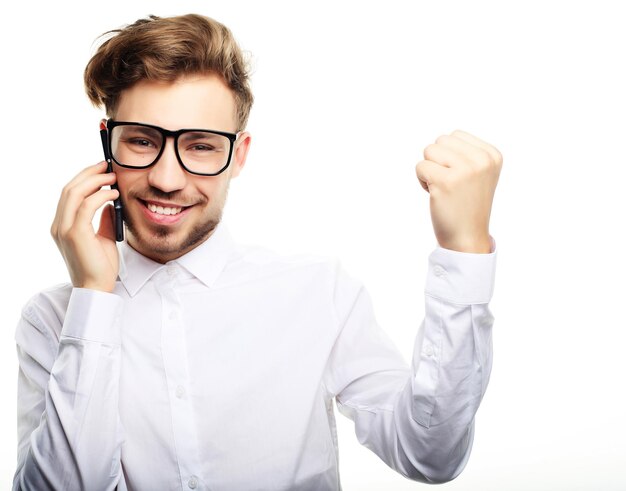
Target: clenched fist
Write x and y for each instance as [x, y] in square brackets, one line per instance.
[460, 172]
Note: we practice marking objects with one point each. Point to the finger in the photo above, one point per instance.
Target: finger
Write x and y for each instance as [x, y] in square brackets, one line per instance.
[73, 197]
[430, 174]
[443, 155]
[106, 228]
[474, 153]
[98, 168]
[89, 206]
[490, 149]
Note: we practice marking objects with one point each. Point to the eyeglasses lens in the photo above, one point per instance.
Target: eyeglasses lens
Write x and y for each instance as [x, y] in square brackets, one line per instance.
[139, 146]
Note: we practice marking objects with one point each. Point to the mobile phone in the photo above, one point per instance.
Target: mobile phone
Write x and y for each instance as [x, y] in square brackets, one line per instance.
[118, 220]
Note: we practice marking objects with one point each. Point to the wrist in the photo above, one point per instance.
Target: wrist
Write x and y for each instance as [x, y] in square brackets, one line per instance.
[101, 287]
[473, 246]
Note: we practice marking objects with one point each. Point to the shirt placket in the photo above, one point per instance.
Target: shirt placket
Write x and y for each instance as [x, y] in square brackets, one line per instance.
[174, 349]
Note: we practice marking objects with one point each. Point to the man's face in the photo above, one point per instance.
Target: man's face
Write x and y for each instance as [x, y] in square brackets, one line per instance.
[202, 102]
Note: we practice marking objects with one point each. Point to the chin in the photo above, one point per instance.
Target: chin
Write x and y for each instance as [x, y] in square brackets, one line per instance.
[162, 244]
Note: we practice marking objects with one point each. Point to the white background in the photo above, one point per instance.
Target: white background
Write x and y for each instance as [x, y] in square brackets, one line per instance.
[347, 96]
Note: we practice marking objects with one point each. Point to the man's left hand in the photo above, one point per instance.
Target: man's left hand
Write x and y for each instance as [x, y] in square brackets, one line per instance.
[460, 172]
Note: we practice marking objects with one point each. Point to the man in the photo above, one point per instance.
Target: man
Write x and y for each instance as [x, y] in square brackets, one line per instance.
[184, 361]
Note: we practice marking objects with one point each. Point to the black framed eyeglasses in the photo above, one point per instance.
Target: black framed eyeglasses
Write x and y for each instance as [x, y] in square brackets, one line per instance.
[199, 151]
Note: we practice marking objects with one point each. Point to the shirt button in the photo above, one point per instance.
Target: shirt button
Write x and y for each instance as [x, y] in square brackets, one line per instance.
[193, 482]
[429, 351]
[180, 392]
[439, 271]
[171, 270]
[173, 315]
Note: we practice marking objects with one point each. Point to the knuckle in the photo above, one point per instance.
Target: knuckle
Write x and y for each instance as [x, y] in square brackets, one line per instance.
[430, 149]
[443, 139]
[475, 173]
[483, 159]
[60, 232]
[487, 160]
[499, 158]
[70, 193]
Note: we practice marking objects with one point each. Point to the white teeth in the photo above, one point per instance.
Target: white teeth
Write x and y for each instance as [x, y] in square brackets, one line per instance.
[163, 210]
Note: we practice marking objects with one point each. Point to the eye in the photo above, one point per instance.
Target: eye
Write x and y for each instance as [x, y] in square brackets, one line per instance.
[201, 147]
[202, 144]
[141, 142]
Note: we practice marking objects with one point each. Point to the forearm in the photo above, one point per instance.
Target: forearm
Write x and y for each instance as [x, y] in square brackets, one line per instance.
[451, 363]
[77, 441]
[450, 371]
[419, 421]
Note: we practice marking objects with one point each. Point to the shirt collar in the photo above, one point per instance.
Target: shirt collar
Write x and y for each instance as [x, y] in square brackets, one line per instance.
[205, 262]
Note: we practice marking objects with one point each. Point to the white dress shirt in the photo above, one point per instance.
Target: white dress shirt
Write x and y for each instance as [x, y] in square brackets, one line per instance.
[217, 371]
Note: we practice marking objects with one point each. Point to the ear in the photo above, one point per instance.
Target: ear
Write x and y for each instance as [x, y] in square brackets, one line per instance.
[240, 153]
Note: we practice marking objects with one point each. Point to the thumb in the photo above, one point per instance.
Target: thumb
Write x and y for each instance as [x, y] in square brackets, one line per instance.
[106, 228]
[429, 173]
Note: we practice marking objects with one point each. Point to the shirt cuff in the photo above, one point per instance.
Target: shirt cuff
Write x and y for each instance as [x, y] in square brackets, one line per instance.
[461, 277]
[93, 316]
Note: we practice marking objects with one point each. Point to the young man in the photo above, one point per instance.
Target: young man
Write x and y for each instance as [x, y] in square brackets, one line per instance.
[184, 361]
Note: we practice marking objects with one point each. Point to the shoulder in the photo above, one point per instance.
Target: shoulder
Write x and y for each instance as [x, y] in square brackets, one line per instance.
[293, 270]
[262, 262]
[257, 255]
[265, 264]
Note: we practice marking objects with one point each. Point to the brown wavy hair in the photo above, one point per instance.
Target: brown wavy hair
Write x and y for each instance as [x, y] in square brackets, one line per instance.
[164, 49]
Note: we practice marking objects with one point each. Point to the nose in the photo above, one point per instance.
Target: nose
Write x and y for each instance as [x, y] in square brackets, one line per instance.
[167, 174]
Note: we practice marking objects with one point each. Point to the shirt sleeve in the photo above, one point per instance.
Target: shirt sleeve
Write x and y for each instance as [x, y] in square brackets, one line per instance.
[418, 419]
[69, 433]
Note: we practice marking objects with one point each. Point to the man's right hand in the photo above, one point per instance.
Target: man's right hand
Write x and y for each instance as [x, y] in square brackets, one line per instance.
[91, 258]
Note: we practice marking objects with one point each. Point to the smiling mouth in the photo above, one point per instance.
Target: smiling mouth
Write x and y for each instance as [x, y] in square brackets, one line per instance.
[160, 209]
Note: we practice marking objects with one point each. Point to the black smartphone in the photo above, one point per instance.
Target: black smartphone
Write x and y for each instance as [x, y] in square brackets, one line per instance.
[118, 220]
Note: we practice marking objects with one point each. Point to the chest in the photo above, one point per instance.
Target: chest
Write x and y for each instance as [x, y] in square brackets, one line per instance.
[214, 378]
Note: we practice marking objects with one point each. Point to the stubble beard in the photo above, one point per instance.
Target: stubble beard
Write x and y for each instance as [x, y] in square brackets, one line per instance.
[156, 242]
